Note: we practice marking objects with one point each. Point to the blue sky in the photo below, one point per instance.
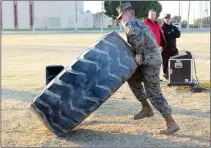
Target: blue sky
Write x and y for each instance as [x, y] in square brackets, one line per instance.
[171, 7]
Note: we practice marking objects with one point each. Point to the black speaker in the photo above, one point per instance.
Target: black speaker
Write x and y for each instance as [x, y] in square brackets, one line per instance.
[181, 70]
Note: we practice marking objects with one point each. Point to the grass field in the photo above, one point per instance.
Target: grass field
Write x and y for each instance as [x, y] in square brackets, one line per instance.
[24, 58]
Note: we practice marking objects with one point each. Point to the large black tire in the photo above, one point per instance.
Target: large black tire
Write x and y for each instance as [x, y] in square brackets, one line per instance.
[80, 89]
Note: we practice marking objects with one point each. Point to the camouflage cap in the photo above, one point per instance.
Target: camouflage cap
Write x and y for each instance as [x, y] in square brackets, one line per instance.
[121, 8]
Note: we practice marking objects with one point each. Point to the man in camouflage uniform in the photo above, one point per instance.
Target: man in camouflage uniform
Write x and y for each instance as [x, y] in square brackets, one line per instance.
[149, 59]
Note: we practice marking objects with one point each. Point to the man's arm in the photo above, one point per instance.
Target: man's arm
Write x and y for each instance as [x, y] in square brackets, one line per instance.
[176, 32]
[162, 37]
[136, 39]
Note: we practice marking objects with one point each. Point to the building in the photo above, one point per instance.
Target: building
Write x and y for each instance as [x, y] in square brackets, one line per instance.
[98, 19]
[57, 14]
[49, 14]
[85, 20]
[46, 14]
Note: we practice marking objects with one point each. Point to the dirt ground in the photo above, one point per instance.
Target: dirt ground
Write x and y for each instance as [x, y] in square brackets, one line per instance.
[24, 58]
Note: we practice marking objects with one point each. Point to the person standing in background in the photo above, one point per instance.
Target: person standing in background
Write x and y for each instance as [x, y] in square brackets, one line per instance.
[153, 24]
[171, 32]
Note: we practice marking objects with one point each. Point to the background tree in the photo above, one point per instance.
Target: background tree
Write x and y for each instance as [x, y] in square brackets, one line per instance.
[176, 19]
[205, 20]
[184, 24]
[141, 8]
[99, 13]
[160, 20]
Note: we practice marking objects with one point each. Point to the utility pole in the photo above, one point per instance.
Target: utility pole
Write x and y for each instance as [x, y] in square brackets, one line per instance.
[206, 11]
[188, 15]
[102, 19]
[33, 20]
[120, 27]
[200, 14]
[179, 13]
[1, 20]
[76, 16]
[194, 14]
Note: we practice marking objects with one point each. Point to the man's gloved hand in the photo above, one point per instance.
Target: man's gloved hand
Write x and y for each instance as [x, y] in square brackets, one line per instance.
[139, 59]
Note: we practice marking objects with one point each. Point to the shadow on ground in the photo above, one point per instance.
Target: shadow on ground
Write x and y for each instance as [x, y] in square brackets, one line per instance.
[17, 95]
[117, 107]
[87, 138]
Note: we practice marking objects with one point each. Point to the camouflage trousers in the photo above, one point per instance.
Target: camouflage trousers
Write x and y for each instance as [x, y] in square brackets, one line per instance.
[150, 76]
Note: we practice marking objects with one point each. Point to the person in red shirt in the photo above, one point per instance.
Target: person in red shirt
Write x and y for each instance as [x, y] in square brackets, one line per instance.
[153, 24]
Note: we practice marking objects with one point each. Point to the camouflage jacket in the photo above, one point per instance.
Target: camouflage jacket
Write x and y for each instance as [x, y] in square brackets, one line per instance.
[143, 42]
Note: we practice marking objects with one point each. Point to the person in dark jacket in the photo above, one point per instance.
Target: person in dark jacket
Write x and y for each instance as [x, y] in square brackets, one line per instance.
[171, 32]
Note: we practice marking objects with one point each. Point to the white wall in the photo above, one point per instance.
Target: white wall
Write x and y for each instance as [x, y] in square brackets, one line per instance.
[97, 21]
[23, 14]
[71, 22]
[109, 21]
[56, 14]
[80, 6]
[51, 14]
[86, 20]
[7, 15]
[53, 8]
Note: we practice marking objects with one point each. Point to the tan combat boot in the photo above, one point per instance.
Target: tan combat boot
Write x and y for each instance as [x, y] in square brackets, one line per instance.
[145, 112]
[172, 126]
